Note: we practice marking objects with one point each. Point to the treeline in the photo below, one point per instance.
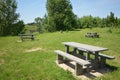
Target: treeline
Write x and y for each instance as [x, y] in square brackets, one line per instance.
[61, 17]
[81, 23]
[9, 22]
[91, 22]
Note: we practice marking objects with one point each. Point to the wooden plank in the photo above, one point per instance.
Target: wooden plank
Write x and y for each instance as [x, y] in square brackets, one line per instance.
[103, 58]
[85, 46]
[60, 59]
[106, 56]
[78, 69]
[71, 57]
[81, 49]
[25, 34]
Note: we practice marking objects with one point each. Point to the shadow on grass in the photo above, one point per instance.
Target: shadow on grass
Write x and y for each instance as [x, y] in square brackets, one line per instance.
[112, 68]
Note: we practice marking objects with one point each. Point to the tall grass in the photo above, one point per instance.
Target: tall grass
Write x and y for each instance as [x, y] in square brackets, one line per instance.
[17, 64]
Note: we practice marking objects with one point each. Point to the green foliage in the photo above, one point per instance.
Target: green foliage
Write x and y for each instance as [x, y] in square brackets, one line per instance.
[39, 23]
[111, 19]
[91, 22]
[60, 15]
[8, 18]
[18, 28]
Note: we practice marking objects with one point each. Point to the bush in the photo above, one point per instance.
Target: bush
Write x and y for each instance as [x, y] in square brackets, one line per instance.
[18, 28]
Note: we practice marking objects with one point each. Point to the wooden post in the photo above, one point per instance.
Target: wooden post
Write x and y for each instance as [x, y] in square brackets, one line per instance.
[60, 59]
[78, 69]
[80, 52]
[67, 48]
[32, 37]
[75, 51]
[67, 51]
[102, 62]
[88, 56]
[21, 37]
[87, 69]
[96, 60]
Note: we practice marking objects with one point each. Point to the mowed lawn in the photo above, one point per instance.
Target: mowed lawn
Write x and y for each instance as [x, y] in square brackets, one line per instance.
[35, 60]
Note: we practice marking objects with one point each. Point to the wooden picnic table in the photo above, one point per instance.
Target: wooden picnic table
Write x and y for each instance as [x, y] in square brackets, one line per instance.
[26, 36]
[87, 48]
[92, 34]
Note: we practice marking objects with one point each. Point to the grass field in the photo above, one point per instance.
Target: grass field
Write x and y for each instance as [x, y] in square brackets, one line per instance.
[30, 27]
[17, 64]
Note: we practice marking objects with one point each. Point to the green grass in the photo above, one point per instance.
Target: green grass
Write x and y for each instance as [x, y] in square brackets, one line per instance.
[16, 64]
[30, 27]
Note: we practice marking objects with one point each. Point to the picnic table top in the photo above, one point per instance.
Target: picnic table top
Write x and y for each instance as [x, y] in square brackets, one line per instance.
[85, 46]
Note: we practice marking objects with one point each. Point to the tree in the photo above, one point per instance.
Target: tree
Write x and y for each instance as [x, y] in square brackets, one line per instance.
[18, 28]
[8, 17]
[46, 26]
[60, 15]
[87, 21]
[111, 20]
[38, 22]
[104, 23]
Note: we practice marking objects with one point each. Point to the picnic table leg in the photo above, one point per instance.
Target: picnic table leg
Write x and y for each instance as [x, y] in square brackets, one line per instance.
[60, 59]
[67, 48]
[102, 62]
[88, 56]
[21, 38]
[87, 69]
[96, 60]
[80, 52]
[32, 37]
[67, 51]
[78, 69]
[75, 51]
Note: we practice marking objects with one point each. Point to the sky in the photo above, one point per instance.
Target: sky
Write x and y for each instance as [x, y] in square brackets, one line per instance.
[30, 9]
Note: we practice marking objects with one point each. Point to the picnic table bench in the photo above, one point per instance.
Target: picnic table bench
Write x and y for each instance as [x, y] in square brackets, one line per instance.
[26, 36]
[92, 34]
[103, 58]
[79, 62]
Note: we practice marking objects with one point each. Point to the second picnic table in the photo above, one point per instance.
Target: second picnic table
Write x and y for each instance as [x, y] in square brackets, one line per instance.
[89, 49]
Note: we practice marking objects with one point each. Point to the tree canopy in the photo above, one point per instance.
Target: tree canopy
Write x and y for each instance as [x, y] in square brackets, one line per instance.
[60, 15]
[38, 22]
[91, 22]
[9, 18]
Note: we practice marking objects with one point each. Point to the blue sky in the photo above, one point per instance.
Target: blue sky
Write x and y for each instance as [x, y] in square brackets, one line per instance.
[30, 9]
